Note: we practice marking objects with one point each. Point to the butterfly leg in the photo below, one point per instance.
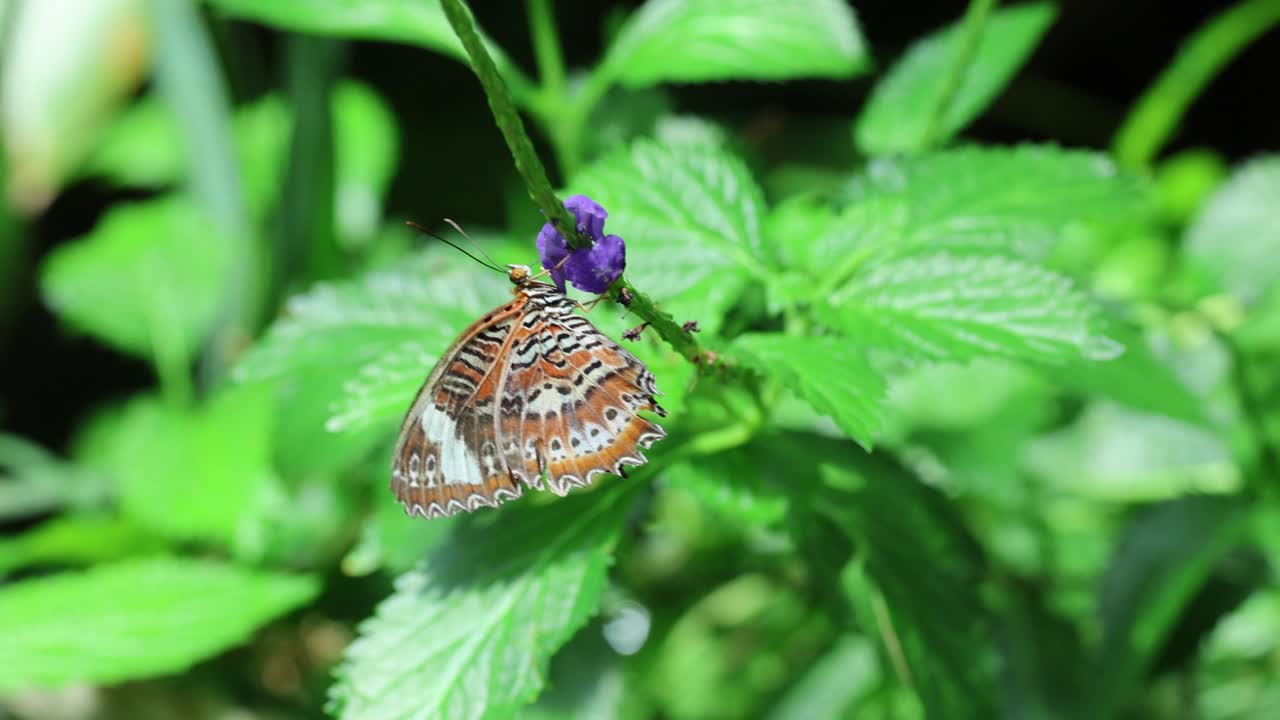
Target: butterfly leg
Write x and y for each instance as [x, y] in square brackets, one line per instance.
[589, 305]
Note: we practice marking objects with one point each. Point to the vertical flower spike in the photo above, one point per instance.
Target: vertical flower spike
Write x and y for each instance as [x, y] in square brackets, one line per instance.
[588, 269]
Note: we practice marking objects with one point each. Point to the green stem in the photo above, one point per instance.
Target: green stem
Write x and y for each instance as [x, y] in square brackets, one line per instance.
[1156, 114]
[188, 78]
[552, 97]
[581, 106]
[169, 354]
[308, 244]
[975, 17]
[535, 180]
[1254, 410]
[546, 48]
[672, 332]
[510, 124]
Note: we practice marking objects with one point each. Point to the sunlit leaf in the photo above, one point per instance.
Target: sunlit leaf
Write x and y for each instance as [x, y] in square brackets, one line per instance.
[1110, 453]
[947, 306]
[903, 103]
[831, 374]
[691, 218]
[1137, 378]
[730, 483]
[189, 475]
[469, 634]
[1235, 236]
[704, 40]
[415, 22]
[366, 147]
[148, 279]
[75, 539]
[143, 148]
[1018, 200]
[831, 687]
[134, 619]
[140, 147]
[358, 351]
[34, 480]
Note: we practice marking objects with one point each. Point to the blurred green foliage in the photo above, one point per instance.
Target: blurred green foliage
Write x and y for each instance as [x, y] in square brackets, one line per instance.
[993, 430]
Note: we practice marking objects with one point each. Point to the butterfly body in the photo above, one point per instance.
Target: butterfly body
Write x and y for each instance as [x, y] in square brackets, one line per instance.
[529, 391]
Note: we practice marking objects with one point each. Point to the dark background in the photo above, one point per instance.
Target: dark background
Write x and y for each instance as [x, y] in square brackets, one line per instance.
[1095, 61]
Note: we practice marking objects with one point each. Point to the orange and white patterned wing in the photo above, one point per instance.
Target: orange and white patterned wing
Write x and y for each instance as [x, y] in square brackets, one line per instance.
[446, 458]
[571, 398]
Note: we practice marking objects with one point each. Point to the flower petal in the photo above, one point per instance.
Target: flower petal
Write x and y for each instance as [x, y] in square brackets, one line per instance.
[552, 250]
[589, 214]
[589, 269]
[593, 270]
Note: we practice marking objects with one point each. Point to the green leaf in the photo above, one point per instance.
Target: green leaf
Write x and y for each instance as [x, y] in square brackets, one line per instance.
[470, 633]
[34, 481]
[586, 681]
[731, 484]
[366, 148]
[391, 540]
[690, 215]
[896, 118]
[1018, 200]
[946, 306]
[1118, 455]
[148, 279]
[1162, 559]
[414, 22]
[792, 224]
[829, 373]
[140, 147]
[936, 621]
[934, 625]
[190, 476]
[1137, 378]
[707, 40]
[1235, 236]
[143, 148]
[832, 686]
[80, 539]
[134, 619]
[356, 352]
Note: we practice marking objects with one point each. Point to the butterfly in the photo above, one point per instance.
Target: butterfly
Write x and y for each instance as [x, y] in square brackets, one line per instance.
[530, 391]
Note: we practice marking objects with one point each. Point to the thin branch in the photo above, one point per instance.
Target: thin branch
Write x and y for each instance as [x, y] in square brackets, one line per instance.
[1204, 53]
[884, 622]
[512, 127]
[535, 179]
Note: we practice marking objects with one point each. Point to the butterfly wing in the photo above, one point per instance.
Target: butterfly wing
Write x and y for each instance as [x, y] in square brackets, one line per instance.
[446, 458]
[528, 391]
[571, 399]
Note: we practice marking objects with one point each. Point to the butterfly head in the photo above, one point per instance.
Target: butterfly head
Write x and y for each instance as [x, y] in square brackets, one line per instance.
[520, 275]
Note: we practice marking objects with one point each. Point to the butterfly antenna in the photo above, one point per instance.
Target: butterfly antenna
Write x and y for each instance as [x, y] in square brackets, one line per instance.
[490, 264]
[464, 234]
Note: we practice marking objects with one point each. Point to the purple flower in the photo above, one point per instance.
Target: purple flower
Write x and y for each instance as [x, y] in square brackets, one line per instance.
[589, 269]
